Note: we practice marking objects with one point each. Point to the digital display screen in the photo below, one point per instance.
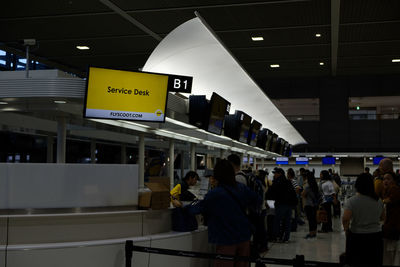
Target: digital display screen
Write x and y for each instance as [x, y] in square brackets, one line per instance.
[125, 95]
[328, 160]
[376, 160]
[254, 129]
[245, 122]
[219, 107]
[302, 160]
[282, 160]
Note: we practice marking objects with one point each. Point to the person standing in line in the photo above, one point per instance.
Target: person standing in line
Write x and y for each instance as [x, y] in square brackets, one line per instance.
[385, 166]
[328, 198]
[240, 176]
[285, 198]
[311, 197]
[297, 210]
[391, 226]
[225, 209]
[361, 222]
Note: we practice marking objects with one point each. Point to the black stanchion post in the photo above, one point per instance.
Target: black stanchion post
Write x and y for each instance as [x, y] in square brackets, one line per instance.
[298, 261]
[128, 253]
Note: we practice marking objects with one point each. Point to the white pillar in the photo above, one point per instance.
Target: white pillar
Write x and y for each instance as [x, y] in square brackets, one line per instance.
[50, 151]
[123, 154]
[171, 163]
[182, 164]
[141, 161]
[262, 163]
[93, 151]
[61, 139]
[241, 160]
[193, 156]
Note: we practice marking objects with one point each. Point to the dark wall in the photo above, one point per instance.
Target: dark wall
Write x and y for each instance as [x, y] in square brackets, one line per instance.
[356, 86]
[359, 136]
[334, 131]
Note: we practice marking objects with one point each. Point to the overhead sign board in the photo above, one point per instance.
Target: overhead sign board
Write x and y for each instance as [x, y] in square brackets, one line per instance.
[127, 95]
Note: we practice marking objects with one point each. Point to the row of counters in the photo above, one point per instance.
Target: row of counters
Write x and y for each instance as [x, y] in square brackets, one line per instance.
[95, 239]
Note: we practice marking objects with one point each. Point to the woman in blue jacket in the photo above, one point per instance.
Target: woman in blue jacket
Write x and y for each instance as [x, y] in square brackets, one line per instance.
[224, 207]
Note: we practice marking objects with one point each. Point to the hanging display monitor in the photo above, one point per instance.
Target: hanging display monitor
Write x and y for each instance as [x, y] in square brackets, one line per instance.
[126, 95]
[245, 122]
[254, 130]
[219, 107]
[328, 161]
[282, 160]
[302, 160]
[377, 159]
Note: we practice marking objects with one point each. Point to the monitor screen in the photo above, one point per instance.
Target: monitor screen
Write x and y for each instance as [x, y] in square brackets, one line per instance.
[254, 130]
[262, 138]
[198, 106]
[274, 143]
[376, 160]
[270, 139]
[126, 95]
[219, 107]
[245, 122]
[328, 160]
[282, 160]
[302, 160]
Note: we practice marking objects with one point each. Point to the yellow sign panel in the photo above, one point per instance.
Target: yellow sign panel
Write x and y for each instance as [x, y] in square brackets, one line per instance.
[116, 94]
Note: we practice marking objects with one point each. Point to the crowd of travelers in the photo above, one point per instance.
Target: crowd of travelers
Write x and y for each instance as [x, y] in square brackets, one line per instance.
[236, 210]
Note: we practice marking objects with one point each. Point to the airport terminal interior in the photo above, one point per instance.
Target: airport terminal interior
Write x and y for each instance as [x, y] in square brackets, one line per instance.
[120, 122]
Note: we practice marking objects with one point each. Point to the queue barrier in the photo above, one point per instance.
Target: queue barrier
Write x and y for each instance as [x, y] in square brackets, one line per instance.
[298, 261]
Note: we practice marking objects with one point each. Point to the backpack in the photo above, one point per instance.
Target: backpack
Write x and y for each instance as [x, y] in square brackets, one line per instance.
[256, 186]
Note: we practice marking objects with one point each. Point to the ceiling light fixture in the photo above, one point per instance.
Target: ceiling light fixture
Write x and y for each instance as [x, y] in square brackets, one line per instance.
[257, 38]
[3, 103]
[60, 101]
[321, 63]
[317, 35]
[83, 47]
[274, 65]
[358, 108]
[396, 60]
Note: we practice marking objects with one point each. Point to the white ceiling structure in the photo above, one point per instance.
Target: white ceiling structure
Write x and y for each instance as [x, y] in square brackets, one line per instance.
[192, 49]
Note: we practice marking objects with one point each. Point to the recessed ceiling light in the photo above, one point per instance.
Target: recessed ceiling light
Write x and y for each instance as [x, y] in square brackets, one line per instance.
[274, 65]
[317, 35]
[396, 60]
[60, 101]
[82, 47]
[358, 108]
[257, 38]
[321, 63]
[3, 103]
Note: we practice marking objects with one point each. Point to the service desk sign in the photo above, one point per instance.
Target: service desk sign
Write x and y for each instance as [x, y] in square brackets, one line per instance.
[127, 95]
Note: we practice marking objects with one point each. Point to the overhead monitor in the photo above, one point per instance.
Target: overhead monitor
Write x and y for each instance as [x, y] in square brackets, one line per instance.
[254, 130]
[270, 139]
[328, 160]
[245, 122]
[198, 110]
[219, 107]
[302, 160]
[377, 159]
[262, 138]
[237, 126]
[126, 95]
[282, 160]
[274, 143]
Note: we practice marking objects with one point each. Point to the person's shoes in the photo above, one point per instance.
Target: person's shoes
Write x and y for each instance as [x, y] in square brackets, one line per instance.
[308, 236]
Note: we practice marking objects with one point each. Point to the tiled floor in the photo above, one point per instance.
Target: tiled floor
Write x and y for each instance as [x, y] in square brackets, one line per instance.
[326, 247]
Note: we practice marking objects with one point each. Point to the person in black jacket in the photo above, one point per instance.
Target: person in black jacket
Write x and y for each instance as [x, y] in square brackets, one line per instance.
[285, 200]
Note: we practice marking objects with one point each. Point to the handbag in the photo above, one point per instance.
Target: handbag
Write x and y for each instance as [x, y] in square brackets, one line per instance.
[322, 216]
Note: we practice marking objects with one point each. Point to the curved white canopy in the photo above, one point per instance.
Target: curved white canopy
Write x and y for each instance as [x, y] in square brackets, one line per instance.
[193, 50]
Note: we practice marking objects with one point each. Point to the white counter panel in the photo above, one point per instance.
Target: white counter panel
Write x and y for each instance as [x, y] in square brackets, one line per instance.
[31, 185]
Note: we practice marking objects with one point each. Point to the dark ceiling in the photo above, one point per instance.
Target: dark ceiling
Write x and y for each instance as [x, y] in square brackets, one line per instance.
[368, 33]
